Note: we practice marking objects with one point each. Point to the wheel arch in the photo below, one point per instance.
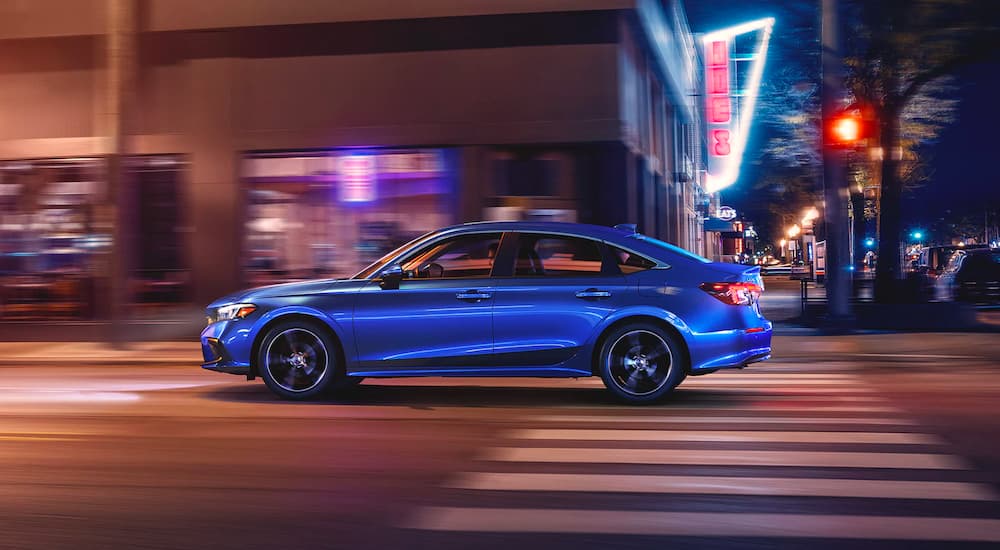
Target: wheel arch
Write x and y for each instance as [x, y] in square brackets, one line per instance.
[291, 316]
[659, 322]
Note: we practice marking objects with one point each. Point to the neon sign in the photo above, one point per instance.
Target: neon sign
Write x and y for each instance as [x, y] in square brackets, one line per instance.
[729, 103]
[357, 178]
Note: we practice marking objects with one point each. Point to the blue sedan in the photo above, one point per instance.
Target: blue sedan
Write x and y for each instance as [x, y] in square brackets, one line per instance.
[500, 299]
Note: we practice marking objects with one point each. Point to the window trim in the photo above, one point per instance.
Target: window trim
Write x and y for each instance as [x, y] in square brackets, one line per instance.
[608, 269]
[416, 251]
[656, 263]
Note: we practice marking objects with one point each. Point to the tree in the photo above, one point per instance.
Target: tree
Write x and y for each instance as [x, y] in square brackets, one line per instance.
[900, 49]
[790, 159]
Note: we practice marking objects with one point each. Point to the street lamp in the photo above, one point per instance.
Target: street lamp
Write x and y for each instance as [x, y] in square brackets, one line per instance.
[794, 231]
[810, 215]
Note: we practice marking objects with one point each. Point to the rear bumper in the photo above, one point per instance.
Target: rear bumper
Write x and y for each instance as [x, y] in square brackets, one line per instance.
[730, 348]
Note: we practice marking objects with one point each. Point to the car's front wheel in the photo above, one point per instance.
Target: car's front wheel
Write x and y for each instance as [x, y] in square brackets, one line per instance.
[299, 360]
[640, 363]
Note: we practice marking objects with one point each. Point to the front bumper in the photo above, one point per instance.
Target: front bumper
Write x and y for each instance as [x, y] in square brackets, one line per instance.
[215, 343]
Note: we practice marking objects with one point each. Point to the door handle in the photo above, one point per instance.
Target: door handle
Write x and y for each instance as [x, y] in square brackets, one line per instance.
[593, 293]
[474, 295]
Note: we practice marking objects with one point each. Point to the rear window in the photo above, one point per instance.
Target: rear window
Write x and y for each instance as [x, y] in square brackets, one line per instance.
[630, 262]
[675, 249]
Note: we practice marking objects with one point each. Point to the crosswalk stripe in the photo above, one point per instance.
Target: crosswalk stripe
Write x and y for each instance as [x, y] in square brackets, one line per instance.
[771, 486]
[742, 436]
[725, 457]
[688, 419]
[638, 522]
[762, 375]
[766, 405]
[760, 381]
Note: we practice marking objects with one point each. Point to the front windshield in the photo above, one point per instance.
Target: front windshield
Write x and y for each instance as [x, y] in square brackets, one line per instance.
[381, 262]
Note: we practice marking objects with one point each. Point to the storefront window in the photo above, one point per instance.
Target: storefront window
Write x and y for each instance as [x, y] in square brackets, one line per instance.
[49, 237]
[329, 214]
[161, 277]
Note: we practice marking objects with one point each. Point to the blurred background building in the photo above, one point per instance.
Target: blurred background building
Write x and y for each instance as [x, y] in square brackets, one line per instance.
[170, 151]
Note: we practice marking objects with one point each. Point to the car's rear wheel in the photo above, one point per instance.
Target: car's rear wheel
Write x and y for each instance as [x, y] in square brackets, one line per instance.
[640, 363]
[300, 360]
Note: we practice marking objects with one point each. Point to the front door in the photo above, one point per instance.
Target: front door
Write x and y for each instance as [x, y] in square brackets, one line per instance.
[440, 319]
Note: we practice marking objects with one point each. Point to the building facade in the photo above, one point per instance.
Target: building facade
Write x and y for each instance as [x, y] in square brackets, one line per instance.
[171, 151]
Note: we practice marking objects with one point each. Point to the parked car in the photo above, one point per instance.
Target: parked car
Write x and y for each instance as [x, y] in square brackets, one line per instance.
[500, 299]
[971, 276]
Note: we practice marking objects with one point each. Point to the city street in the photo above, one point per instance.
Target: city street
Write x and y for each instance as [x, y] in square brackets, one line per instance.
[885, 438]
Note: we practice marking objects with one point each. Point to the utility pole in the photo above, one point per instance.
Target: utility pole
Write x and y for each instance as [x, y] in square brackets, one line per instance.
[835, 190]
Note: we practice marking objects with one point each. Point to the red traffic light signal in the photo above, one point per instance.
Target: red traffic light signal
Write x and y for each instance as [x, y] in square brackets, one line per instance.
[845, 129]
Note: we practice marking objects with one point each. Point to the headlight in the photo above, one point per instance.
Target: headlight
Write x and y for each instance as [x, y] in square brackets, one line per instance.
[230, 311]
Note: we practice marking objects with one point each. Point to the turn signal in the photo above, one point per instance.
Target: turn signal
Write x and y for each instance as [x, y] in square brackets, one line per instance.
[734, 294]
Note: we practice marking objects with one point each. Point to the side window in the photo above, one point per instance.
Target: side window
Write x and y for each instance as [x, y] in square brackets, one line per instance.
[465, 256]
[556, 256]
[630, 262]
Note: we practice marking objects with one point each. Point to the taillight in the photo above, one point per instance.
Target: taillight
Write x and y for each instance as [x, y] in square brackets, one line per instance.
[734, 294]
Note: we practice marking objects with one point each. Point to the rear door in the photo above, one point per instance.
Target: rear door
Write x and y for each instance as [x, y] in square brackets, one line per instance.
[557, 292]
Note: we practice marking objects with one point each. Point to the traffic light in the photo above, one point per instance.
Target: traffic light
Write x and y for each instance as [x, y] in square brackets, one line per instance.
[846, 129]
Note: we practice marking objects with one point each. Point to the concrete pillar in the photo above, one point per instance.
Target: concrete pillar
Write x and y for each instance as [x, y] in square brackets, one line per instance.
[112, 295]
[215, 196]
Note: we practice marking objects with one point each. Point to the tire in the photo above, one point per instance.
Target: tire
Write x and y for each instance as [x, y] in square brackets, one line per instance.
[300, 360]
[640, 363]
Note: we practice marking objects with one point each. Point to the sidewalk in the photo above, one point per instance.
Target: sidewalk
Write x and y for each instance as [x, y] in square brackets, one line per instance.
[99, 353]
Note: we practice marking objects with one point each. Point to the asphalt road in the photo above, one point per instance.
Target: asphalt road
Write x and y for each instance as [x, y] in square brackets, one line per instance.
[871, 441]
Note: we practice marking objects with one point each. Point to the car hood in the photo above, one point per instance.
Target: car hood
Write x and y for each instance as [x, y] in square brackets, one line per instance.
[300, 288]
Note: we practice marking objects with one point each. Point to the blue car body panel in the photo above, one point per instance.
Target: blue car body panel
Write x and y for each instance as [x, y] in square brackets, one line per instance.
[516, 326]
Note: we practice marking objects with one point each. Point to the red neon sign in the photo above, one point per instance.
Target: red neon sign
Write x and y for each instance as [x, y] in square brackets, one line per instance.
[720, 143]
[719, 105]
[718, 80]
[718, 109]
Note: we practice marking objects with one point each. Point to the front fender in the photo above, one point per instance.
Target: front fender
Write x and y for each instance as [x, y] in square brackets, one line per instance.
[334, 322]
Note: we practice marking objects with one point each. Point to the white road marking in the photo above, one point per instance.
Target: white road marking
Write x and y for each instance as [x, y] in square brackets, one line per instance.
[917, 356]
[726, 457]
[639, 522]
[766, 405]
[742, 436]
[688, 419]
[718, 485]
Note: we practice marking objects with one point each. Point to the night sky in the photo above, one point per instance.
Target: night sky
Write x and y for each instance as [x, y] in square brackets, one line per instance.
[963, 180]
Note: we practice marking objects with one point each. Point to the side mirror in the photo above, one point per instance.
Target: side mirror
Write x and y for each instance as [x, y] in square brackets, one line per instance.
[391, 278]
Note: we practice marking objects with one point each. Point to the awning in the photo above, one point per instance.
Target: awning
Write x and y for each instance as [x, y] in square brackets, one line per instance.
[718, 225]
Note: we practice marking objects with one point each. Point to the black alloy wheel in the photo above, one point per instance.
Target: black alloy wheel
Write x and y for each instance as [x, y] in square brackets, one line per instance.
[640, 363]
[300, 360]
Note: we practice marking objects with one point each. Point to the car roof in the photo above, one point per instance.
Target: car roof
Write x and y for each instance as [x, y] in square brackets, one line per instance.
[623, 235]
[582, 229]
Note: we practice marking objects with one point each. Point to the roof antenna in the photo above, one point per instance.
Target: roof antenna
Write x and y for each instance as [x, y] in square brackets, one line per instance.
[630, 228]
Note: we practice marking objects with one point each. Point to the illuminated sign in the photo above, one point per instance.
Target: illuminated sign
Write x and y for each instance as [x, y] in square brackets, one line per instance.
[730, 98]
[417, 162]
[357, 178]
[717, 81]
[726, 213]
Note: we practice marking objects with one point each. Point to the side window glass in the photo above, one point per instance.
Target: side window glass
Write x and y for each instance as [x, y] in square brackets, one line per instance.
[465, 256]
[630, 262]
[556, 256]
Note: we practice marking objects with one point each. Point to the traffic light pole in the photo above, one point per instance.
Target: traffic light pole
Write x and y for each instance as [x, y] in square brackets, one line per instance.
[835, 189]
